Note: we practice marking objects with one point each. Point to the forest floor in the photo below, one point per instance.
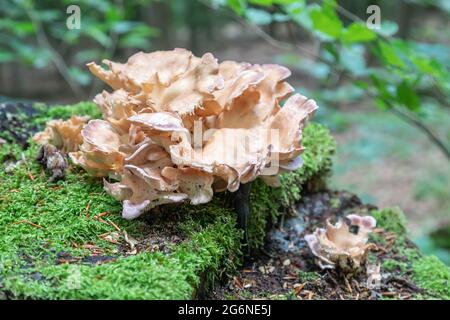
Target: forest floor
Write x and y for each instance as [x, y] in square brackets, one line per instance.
[285, 268]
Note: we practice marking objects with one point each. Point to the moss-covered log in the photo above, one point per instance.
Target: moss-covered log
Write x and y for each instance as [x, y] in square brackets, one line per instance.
[66, 240]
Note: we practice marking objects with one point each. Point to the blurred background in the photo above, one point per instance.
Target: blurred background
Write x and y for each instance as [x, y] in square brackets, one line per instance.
[379, 70]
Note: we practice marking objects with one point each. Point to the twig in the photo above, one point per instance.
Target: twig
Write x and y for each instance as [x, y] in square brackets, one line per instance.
[88, 206]
[348, 14]
[423, 127]
[115, 226]
[30, 223]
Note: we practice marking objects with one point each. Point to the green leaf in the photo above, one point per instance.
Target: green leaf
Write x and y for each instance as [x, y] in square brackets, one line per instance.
[264, 3]
[114, 14]
[279, 17]
[389, 55]
[238, 6]
[50, 15]
[388, 28]
[352, 58]
[428, 66]
[299, 13]
[258, 16]
[326, 20]
[285, 2]
[408, 97]
[98, 35]
[132, 41]
[361, 84]
[81, 76]
[23, 28]
[381, 87]
[124, 26]
[138, 38]
[380, 104]
[357, 32]
[88, 55]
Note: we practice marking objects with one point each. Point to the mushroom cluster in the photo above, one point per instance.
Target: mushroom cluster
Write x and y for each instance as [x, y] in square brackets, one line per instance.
[65, 135]
[344, 245]
[179, 127]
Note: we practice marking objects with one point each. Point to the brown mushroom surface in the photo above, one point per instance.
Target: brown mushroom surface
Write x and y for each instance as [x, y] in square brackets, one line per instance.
[177, 127]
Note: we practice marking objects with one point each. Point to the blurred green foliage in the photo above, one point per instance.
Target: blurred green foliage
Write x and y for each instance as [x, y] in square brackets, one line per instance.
[402, 71]
[34, 33]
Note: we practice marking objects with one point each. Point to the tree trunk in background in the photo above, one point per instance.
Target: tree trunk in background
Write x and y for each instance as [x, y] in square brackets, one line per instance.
[406, 18]
[159, 15]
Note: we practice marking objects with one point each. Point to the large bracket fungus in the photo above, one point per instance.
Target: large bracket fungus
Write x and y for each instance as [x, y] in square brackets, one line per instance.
[179, 127]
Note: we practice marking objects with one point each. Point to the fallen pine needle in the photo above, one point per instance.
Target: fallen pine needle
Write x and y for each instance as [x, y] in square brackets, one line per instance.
[88, 206]
[100, 220]
[298, 288]
[111, 241]
[105, 238]
[115, 226]
[104, 234]
[102, 214]
[30, 223]
[349, 288]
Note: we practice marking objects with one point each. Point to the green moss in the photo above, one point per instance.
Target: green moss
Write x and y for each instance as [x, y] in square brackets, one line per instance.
[39, 221]
[305, 276]
[391, 220]
[377, 239]
[60, 220]
[428, 272]
[371, 257]
[409, 253]
[65, 112]
[335, 203]
[391, 265]
[433, 275]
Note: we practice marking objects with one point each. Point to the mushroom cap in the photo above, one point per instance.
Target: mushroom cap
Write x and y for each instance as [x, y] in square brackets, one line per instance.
[177, 127]
[343, 244]
[65, 135]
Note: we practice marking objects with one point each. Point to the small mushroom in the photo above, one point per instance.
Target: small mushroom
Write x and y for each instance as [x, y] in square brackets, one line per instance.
[99, 153]
[343, 245]
[53, 161]
[65, 135]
